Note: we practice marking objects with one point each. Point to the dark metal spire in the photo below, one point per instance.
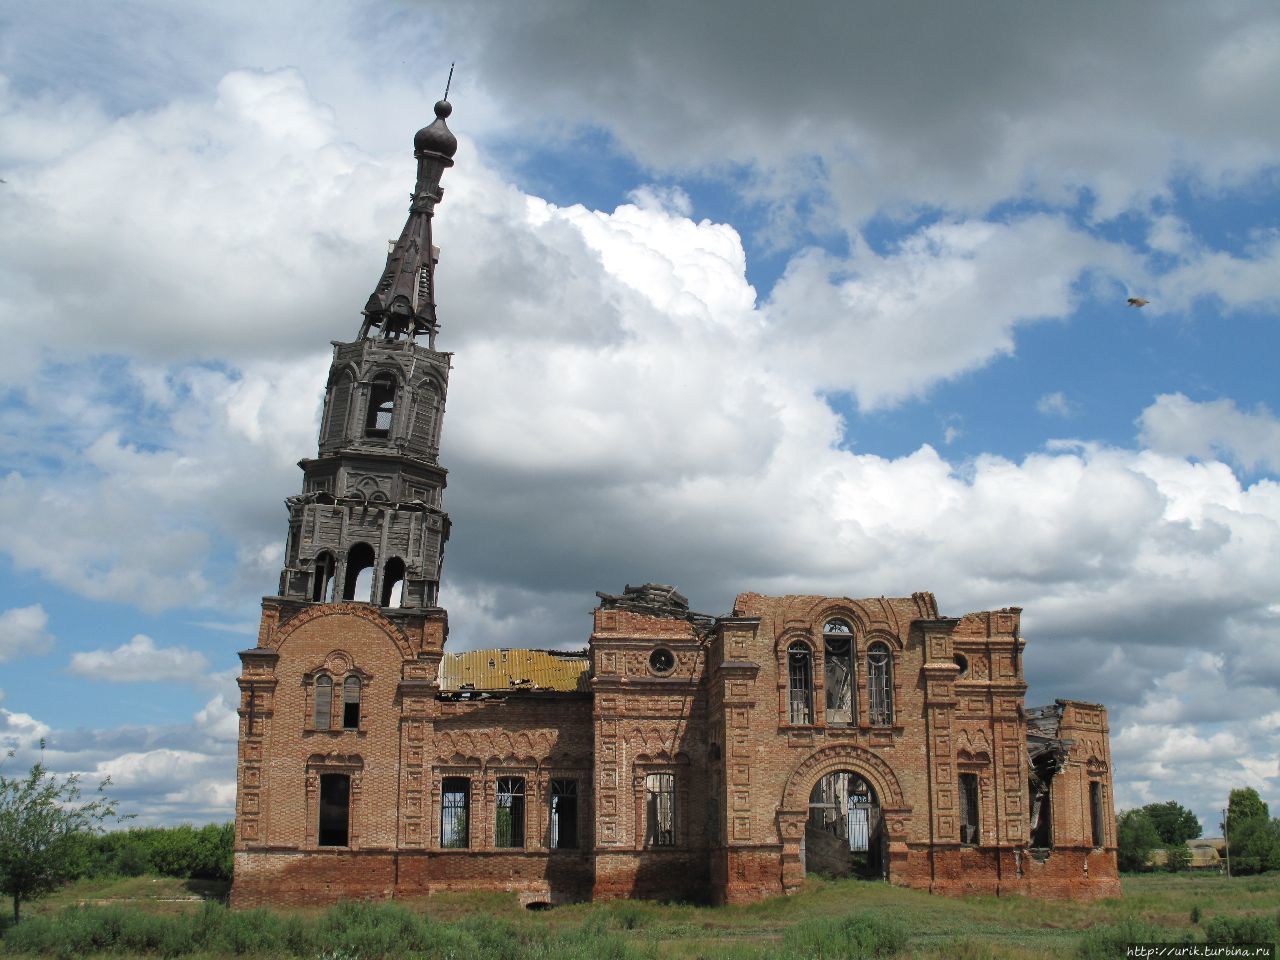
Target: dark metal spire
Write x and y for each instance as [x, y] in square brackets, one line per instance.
[404, 302]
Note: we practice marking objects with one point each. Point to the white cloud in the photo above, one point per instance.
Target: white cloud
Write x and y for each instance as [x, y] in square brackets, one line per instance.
[140, 661]
[23, 632]
[945, 302]
[1179, 426]
[1056, 404]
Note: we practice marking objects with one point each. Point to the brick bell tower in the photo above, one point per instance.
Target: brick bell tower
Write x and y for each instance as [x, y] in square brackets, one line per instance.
[336, 696]
[369, 525]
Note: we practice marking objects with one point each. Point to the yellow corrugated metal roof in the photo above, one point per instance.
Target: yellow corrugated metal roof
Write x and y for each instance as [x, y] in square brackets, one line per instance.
[509, 669]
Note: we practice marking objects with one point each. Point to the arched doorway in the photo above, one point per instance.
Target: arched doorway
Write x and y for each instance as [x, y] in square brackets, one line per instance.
[845, 834]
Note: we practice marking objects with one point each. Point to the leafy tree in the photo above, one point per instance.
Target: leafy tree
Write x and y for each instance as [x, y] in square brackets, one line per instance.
[1136, 837]
[1174, 822]
[1243, 805]
[41, 816]
[1255, 846]
[1179, 857]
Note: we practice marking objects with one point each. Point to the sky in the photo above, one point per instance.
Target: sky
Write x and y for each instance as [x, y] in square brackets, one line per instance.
[815, 298]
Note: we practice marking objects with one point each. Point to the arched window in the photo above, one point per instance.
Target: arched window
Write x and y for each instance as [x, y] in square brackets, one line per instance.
[455, 800]
[358, 584]
[660, 810]
[837, 649]
[800, 676]
[351, 703]
[324, 702]
[382, 405]
[880, 684]
[564, 814]
[392, 583]
[335, 427]
[509, 817]
[322, 580]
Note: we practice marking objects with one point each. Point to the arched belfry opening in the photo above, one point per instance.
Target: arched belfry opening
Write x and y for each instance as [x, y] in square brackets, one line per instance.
[845, 836]
[358, 584]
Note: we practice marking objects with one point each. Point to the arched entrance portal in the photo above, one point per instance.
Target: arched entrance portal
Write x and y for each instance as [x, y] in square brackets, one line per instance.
[845, 834]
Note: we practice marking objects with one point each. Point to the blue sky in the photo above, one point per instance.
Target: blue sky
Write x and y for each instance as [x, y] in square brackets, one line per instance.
[824, 300]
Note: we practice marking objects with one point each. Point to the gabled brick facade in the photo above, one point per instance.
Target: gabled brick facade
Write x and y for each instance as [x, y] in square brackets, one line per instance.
[712, 758]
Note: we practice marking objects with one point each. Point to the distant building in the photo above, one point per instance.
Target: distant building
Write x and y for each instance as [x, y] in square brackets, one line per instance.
[679, 755]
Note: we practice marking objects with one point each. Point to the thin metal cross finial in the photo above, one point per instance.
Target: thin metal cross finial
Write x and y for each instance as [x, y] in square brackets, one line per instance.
[448, 82]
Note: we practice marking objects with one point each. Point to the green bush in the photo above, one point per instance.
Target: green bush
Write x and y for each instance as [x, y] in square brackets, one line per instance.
[1241, 930]
[1108, 941]
[853, 936]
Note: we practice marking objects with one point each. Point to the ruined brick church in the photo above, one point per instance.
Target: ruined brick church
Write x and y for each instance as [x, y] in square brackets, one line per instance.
[716, 758]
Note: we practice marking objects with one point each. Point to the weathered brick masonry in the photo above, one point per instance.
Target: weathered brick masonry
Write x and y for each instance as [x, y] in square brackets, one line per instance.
[680, 755]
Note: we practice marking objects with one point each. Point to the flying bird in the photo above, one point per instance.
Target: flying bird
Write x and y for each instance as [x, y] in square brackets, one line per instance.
[1138, 302]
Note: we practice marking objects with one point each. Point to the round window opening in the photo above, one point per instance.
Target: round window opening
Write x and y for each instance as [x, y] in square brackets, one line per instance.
[962, 663]
[662, 661]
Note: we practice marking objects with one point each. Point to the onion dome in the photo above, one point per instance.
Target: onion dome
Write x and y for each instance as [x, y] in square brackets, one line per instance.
[437, 137]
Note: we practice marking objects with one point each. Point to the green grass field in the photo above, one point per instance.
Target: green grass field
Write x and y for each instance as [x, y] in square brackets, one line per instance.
[155, 917]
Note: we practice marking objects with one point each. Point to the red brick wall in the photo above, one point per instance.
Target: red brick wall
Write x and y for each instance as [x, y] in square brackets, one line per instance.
[717, 722]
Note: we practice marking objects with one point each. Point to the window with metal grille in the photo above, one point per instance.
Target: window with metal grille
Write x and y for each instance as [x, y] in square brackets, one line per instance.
[800, 673]
[1095, 812]
[508, 819]
[324, 702]
[351, 703]
[969, 808]
[837, 641]
[454, 800]
[335, 809]
[564, 814]
[660, 810]
[880, 684]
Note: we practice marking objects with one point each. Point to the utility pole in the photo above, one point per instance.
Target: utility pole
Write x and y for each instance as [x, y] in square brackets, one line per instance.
[1226, 843]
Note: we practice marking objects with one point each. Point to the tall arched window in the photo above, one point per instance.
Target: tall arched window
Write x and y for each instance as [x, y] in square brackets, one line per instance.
[359, 585]
[351, 703]
[392, 582]
[382, 405]
[880, 684]
[800, 679]
[837, 650]
[324, 702]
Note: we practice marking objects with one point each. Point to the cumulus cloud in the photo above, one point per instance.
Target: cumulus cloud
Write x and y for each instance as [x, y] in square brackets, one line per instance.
[1179, 426]
[945, 301]
[140, 661]
[23, 632]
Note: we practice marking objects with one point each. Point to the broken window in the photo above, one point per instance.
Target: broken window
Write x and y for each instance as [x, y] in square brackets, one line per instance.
[454, 799]
[335, 809]
[800, 672]
[359, 578]
[324, 702]
[564, 814]
[382, 405]
[880, 684]
[660, 810]
[509, 818]
[351, 703]
[322, 580]
[1095, 812]
[392, 583]
[1041, 792]
[969, 808]
[837, 640]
